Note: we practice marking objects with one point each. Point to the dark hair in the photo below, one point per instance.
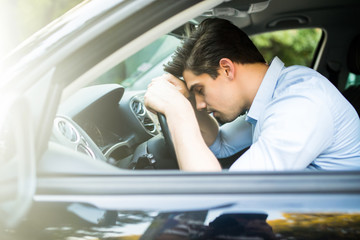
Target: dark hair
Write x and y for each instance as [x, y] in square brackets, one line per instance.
[212, 40]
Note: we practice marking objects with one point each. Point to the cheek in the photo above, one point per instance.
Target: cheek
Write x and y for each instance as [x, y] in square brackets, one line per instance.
[219, 96]
[217, 99]
[229, 101]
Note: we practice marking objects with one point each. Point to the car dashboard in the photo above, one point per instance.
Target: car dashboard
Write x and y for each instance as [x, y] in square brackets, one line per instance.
[106, 122]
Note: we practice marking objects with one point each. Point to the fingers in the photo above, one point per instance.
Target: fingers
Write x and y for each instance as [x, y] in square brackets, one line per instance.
[164, 93]
[160, 83]
[148, 101]
[179, 84]
[159, 94]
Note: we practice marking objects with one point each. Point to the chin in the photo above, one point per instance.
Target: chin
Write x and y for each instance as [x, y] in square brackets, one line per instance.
[221, 118]
[224, 119]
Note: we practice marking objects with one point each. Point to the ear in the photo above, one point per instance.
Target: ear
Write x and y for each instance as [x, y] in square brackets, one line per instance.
[227, 68]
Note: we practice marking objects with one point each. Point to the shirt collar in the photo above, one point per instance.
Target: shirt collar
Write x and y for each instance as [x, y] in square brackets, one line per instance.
[265, 91]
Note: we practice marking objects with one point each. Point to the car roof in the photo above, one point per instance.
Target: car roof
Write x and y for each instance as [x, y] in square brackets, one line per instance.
[273, 15]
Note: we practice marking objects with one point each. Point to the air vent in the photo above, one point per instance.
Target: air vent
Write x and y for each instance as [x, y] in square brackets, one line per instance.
[138, 108]
[140, 111]
[67, 130]
[149, 125]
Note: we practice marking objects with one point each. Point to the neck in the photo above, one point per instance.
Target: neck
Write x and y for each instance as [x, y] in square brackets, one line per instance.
[250, 77]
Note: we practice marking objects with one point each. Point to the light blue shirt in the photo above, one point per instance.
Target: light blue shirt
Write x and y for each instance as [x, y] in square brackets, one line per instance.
[297, 120]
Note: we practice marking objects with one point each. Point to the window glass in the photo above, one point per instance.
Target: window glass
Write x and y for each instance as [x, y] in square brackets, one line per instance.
[135, 69]
[293, 47]
[351, 91]
[353, 80]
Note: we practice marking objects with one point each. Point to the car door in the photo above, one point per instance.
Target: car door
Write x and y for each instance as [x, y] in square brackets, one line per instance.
[17, 154]
[33, 78]
[77, 196]
[170, 204]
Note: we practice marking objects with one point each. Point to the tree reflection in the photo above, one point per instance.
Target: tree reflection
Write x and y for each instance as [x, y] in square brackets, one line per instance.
[317, 226]
[52, 222]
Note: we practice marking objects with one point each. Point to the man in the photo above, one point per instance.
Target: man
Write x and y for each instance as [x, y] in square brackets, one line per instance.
[293, 117]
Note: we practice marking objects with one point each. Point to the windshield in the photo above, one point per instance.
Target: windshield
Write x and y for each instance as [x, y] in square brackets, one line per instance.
[136, 72]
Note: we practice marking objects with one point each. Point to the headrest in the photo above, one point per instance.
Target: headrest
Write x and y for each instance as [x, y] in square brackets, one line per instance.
[354, 56]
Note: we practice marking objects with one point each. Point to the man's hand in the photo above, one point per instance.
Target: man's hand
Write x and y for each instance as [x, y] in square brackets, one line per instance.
[166, 93]
[179, 84]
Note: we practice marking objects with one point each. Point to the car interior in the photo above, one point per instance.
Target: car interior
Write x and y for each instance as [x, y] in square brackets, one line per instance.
[106, 120]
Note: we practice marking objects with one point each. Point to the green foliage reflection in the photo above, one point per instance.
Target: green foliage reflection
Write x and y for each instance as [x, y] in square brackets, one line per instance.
[293, 47]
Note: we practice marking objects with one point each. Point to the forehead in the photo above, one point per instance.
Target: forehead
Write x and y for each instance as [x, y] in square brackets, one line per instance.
[193, 80]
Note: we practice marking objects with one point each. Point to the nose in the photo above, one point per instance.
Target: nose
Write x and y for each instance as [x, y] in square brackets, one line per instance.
[200, 102]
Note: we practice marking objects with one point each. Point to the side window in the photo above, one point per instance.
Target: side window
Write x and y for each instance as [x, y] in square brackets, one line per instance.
[353, 80]
[293, 47]
[351, 92]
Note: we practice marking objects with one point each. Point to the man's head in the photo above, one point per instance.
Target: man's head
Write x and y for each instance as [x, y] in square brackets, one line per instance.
[211, 41]
[216, 62]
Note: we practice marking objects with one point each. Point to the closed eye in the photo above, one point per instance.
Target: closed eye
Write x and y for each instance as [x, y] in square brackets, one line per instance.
[199, 90]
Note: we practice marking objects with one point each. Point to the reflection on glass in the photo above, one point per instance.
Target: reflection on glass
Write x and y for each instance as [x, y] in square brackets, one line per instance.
[225, 226]
[137, 71]
[88, 222]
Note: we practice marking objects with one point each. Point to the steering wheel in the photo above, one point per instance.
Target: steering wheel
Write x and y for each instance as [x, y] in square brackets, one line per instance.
[167, 135]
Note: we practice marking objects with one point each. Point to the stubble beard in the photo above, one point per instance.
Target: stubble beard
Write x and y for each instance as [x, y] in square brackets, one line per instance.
[221, 119]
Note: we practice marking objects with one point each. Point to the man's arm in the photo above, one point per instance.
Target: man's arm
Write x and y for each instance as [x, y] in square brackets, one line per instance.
[209, 127]
[190, 147]
[295, 130]
[191, 150]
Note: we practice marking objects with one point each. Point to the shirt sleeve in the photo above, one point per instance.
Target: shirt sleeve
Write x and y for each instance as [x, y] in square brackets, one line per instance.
[294, 130]
[232, 138]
